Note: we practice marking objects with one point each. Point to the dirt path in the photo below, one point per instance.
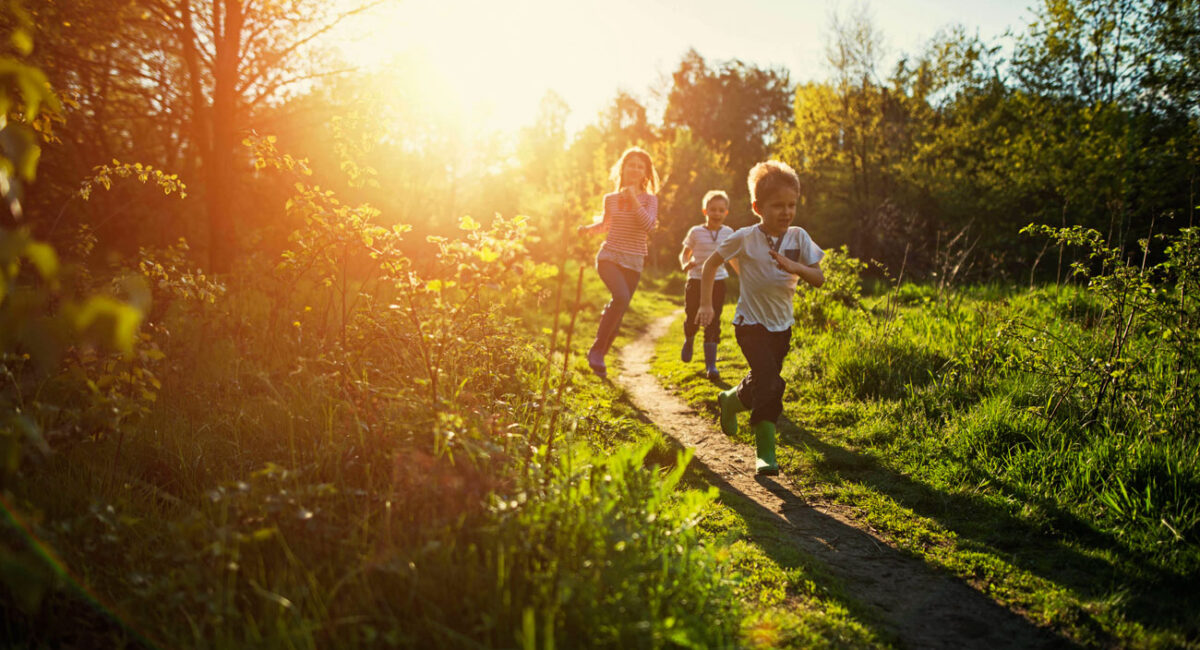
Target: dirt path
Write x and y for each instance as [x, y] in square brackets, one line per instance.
[923, 608]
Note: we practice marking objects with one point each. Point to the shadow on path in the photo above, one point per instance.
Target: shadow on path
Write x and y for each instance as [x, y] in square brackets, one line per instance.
[918, 605]
[1059, 555]
[1054, 545]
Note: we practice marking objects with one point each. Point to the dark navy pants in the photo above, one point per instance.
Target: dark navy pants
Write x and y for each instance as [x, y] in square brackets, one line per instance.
[691, 304]
[762, 389]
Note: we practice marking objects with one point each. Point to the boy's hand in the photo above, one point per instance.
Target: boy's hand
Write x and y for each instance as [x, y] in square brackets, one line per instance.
[690, 265]
[786, 264]
[704, 315]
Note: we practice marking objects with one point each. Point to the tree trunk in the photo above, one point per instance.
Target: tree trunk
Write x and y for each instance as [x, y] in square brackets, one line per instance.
[198, 131]
[220, 168]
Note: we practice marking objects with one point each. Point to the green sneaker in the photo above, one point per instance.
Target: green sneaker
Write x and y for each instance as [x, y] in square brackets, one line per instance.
[730, 406]
[764, 443]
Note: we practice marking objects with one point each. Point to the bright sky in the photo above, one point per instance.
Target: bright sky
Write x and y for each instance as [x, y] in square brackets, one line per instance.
[500, 57]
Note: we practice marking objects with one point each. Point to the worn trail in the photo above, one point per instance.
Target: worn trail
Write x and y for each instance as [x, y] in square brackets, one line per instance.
[922, 607]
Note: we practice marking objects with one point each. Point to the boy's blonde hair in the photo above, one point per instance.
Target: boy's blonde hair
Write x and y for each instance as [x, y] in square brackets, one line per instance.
[713, 194]
[768, 177]
[650, 183]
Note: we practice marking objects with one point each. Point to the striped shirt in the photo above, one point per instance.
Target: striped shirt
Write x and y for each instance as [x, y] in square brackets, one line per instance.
[628, 226]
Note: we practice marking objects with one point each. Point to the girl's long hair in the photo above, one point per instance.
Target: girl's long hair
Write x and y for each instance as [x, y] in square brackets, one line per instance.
[649, 184]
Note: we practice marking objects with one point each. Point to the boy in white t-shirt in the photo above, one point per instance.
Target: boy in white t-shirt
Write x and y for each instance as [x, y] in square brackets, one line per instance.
[772, 258]
[699, 243]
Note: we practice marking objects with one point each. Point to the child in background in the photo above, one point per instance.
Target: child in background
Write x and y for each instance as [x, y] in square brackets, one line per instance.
[629, 215]
[773, 257]
[699, 243]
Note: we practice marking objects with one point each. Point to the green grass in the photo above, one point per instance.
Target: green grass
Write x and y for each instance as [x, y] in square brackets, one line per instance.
[783, 599]
[274, 499]
[789, 601]
[426, 481]
[924, 421]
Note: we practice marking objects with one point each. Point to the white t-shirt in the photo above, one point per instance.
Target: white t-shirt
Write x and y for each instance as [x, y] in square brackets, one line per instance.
[766, 289]
[703, 242]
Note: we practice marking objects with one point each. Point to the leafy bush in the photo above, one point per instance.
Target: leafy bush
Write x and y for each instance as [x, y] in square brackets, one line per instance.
[841, 293]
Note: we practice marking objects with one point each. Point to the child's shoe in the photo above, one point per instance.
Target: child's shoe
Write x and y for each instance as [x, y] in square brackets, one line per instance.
[730, 406]
[685, 355]
[764, 445]
[596, 363]
[710, 361]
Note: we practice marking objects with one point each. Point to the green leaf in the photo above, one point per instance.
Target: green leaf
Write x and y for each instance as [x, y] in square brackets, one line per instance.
[119, 320]
[44, 258]
[23, 41]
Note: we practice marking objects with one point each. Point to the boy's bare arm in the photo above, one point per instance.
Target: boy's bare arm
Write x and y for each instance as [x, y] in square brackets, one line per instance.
[685, 258]
[810, 273]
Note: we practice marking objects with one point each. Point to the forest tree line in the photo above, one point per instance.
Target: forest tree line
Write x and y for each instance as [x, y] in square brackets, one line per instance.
[1086, 116]
[378, 393]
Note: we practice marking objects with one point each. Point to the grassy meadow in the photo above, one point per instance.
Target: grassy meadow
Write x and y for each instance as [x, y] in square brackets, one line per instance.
[436, 473]
[265, 382]
[305, 492]
[1038, 443]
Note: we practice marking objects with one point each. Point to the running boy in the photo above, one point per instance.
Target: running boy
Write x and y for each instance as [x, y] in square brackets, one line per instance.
[699, 243]
[773, 257]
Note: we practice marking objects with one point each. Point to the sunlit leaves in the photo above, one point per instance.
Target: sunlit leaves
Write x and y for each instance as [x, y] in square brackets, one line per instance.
[487, 255]
[43, 258]
[116, 321]
[265, 155]
[25, 91]
[103, 175]
[352, 140]
[170, 272]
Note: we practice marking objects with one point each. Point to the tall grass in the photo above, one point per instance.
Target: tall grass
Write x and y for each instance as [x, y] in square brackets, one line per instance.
[1078, 396]
[353, 447]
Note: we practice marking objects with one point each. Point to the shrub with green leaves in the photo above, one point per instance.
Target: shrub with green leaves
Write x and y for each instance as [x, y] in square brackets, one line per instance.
[840, 295]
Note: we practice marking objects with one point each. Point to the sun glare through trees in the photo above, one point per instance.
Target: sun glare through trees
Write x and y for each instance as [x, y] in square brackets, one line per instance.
[437, 324]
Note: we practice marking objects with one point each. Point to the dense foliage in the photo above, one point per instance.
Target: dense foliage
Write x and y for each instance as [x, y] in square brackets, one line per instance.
[272, 373]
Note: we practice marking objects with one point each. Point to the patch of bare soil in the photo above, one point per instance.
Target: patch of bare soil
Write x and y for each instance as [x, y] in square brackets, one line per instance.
[921, 606]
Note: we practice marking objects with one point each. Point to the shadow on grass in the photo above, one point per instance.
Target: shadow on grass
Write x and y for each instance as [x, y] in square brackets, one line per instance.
[982, 527]
[899, 597]
[1154, 597]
